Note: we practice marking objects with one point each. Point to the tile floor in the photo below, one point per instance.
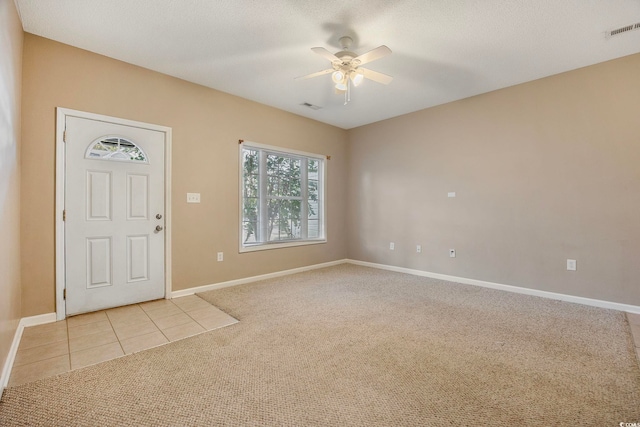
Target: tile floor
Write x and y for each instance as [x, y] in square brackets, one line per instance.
[634, 322]
[87, 339]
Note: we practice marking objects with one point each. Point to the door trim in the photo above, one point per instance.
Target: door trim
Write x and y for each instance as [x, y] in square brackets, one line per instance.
[60, 260]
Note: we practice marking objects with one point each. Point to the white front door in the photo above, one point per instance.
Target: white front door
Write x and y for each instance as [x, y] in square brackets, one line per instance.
[114, 207]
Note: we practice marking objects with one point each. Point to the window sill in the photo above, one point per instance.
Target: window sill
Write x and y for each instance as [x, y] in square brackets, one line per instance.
[268, 246]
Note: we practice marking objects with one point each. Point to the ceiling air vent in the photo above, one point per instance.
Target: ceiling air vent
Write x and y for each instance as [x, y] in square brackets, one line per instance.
[313, 107]
[624, 29]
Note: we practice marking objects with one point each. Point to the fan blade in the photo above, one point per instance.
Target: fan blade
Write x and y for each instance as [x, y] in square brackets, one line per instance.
[372, 55]
[376, 76]
[326, 54]
[319, 73]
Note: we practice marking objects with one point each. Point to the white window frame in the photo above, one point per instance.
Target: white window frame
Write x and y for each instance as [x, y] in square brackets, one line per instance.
[322, 233]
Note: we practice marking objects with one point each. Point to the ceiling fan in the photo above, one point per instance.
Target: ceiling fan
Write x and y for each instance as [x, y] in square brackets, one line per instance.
[346, 67]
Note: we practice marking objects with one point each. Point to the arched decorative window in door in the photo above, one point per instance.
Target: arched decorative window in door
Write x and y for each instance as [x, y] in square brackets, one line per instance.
[116, 148]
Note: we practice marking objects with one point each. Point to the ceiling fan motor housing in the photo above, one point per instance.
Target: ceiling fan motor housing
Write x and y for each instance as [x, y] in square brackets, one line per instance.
[346, 56]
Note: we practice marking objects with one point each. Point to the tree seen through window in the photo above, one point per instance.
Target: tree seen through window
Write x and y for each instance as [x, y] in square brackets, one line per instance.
[281, 197]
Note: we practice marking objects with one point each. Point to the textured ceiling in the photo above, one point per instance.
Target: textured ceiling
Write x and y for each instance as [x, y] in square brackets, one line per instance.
[443, 50]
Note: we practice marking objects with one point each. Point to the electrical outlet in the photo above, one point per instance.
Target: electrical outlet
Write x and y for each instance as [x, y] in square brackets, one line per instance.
[418, 248]
[452, 253]
[451, 194]
[193, 197]
[220, 256]
[392, 246]
[572, 265]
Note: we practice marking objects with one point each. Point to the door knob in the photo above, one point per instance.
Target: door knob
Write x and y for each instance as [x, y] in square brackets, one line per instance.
[158, 216]
[158, 228]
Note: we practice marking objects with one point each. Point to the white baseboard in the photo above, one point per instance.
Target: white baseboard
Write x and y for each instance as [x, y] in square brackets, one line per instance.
[11, 357]
[466, 281]
[204, 288]
[509, 288]
[40, 319]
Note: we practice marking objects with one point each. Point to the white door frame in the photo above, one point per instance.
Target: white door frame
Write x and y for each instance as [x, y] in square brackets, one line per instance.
[61, 117]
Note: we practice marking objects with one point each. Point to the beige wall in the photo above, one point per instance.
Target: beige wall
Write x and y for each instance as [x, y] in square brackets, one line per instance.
[543, 171]
[206, 127]
[10, 83]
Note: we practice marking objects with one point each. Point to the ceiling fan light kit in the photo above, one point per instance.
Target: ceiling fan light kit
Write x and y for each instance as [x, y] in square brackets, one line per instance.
[345, 67]
[337, 77]
[357, 77]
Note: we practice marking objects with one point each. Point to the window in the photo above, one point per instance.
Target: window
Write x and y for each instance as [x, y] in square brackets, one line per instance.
[282, 197]
[115, 148]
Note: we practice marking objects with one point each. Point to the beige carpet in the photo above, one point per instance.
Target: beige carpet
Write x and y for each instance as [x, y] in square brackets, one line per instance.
[349, 346]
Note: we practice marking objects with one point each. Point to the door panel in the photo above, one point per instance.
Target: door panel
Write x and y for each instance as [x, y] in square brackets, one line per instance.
[98, 196]
[137, 197]
[99, 262]
[114, 190]
[137, 258]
